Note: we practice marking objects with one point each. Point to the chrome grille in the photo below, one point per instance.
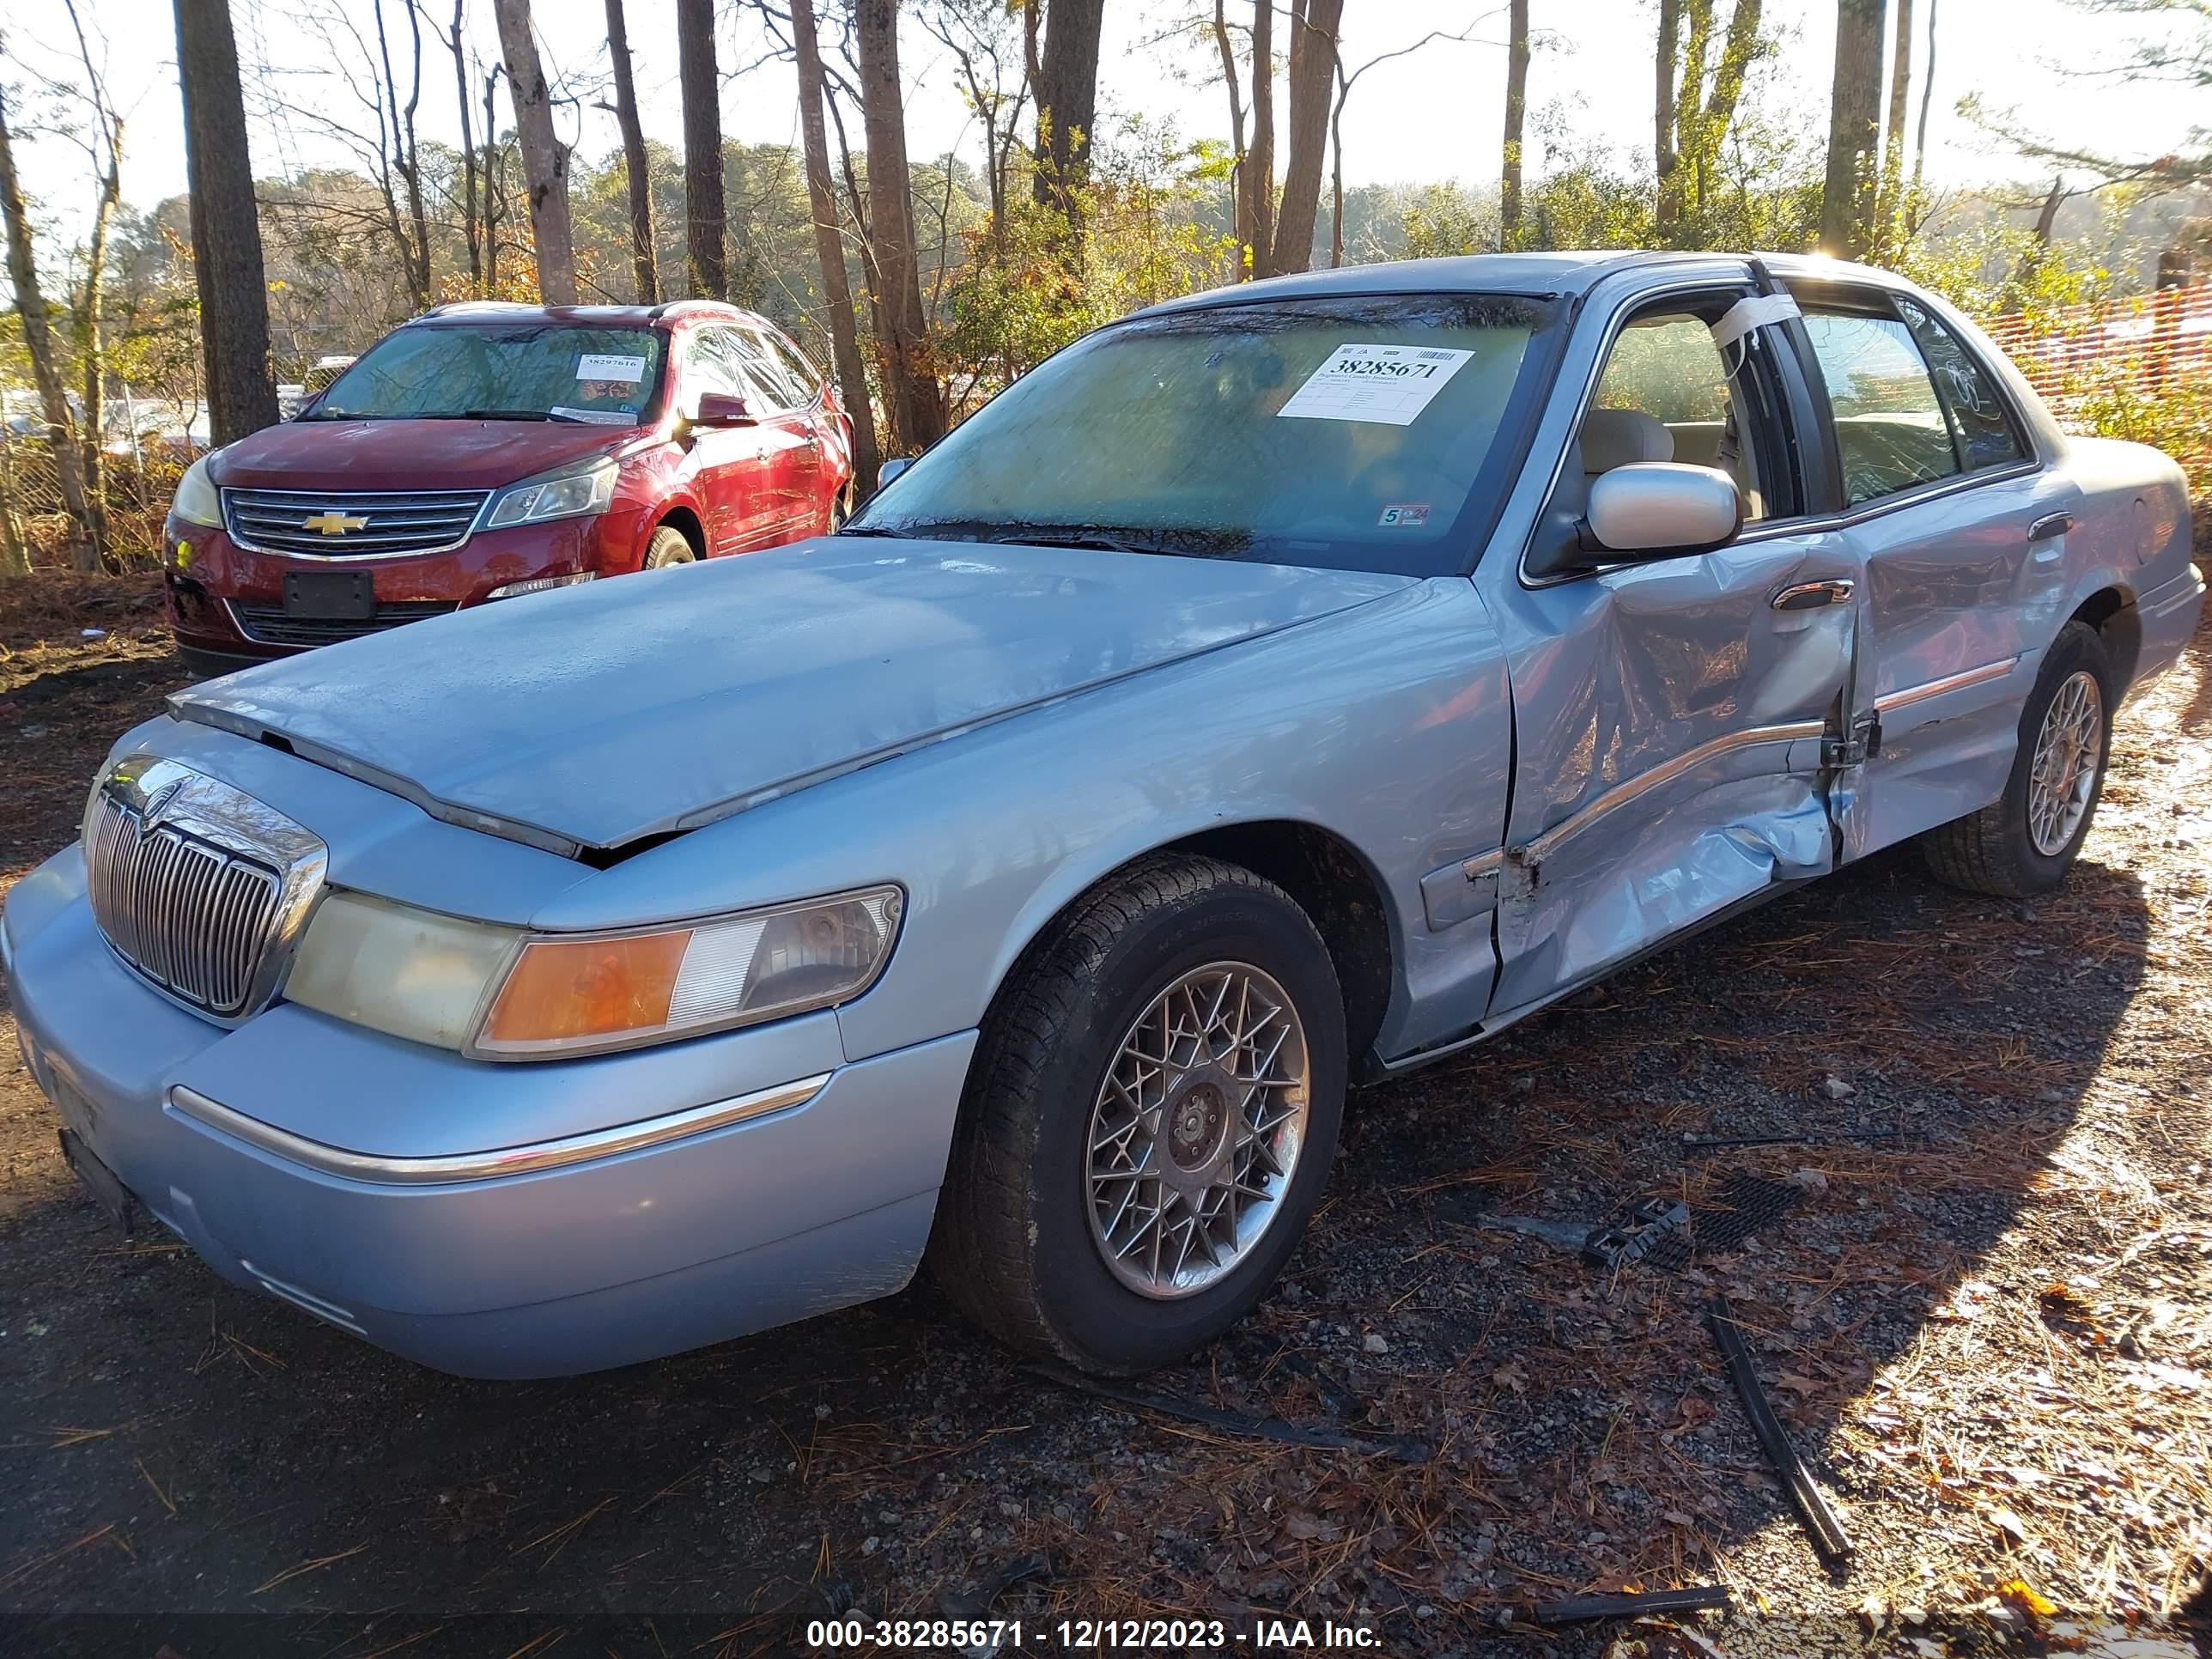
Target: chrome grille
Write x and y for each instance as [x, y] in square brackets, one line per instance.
[186, 915]
[397, 521]
[199, 886]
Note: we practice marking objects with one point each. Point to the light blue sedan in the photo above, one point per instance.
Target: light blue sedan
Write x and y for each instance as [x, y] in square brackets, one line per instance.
[1276, 690]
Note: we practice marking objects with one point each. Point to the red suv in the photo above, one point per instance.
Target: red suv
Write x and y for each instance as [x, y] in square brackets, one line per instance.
[482, 451]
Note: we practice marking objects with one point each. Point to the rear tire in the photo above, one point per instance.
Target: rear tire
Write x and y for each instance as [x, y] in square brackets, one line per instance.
[1039, 1239]
[669, 546]
[2024, 843]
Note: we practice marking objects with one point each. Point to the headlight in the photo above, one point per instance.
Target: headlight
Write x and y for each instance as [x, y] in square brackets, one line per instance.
[570, 495]
[568, 996]
[393, 968]
[196, 499]
[500, 993]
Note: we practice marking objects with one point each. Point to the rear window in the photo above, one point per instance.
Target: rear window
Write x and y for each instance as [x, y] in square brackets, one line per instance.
[1890, 425]
[527, 372]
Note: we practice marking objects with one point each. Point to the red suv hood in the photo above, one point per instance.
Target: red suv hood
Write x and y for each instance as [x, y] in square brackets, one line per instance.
[407, 454]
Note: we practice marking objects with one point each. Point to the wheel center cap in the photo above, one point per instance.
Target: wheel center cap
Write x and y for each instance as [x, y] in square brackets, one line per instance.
[1197, 1119]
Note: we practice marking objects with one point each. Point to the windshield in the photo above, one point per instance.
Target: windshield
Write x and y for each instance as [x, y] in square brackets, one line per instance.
[1350, 434]
[524, 372]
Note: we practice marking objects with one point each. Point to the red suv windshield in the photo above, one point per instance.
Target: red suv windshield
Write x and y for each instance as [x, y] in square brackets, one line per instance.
[524, 372]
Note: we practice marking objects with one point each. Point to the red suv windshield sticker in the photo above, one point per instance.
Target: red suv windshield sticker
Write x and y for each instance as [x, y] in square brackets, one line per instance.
[596, 365]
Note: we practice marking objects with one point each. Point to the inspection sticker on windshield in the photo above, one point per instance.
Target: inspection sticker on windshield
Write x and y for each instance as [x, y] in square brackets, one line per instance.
[593, 366]
[1405, 515]
[1386, 384]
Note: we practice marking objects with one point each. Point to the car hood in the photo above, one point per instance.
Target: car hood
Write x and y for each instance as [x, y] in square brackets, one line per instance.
[406, 454]
[601, 715]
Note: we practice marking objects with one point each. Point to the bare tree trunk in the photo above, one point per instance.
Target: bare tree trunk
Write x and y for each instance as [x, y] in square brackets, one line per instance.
[1663, 157]
[455, 43]
[1336, 160]
[2046, 217]
[14, 544]
[633, 164]
[1927, 98]
[705, 214]
[1516, 109]
[241, 393]
[411, 239]
[1888, 207]
[91, 336]
[1692, 153]
[38, 346]
[830, 247]
[545, 162]
[494, 208]
[1854, 129]
[1313, 51]
[1260, 164]
[917, 417]
[1066, 99]
[1240, 169]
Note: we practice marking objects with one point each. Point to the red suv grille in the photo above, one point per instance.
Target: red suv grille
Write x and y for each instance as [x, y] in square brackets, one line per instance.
[267, 624]
[338, 524]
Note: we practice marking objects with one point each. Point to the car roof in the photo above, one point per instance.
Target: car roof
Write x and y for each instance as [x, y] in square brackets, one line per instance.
[1569, 274]
[669, 313]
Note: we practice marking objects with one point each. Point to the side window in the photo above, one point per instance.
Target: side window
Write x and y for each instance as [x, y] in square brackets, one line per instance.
[794, 370]
[708, 367]
[1668, 394]
[1890, 424]
[766, 392]
[1980, 419]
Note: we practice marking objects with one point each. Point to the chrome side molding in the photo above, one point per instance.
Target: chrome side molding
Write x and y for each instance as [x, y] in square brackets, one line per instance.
[1666, 772]
[503, 1161]
[1906, 695]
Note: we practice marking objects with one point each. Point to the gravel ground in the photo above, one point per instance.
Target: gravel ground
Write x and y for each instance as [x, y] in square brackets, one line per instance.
[1986, 1320]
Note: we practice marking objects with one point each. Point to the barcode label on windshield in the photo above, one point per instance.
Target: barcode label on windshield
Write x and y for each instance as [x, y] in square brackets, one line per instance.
[1387, 385]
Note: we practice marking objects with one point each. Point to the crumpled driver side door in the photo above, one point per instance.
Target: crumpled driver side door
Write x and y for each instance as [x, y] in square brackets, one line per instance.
[1676, 720]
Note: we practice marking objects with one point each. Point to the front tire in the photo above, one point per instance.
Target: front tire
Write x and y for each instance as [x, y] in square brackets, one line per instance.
[1148, 1120]
[669, 546]
[2024, 843]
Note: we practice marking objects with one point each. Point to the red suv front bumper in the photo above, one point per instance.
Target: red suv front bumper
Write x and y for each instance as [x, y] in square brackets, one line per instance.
[226, 603]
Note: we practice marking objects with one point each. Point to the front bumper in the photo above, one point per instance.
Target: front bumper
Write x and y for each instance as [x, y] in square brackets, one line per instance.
[623, 1253]
[207, 575]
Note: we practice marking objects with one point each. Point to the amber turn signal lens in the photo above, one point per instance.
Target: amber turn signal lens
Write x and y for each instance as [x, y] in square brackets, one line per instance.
[561, 990]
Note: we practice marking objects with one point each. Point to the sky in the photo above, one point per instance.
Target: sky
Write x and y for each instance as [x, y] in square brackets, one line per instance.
[1433, 114]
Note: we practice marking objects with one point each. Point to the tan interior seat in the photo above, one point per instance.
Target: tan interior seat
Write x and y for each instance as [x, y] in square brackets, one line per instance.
[1616, 437]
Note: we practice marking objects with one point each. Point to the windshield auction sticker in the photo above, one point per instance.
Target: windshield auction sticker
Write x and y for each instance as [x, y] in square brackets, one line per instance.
[593, 366]
[1386, 384]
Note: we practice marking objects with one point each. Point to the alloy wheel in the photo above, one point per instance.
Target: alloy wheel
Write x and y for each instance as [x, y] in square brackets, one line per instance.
[2063, 778]
[1196, 1130]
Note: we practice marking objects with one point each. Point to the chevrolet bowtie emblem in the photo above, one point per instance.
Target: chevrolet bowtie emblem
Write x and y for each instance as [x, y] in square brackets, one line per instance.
[333, 524]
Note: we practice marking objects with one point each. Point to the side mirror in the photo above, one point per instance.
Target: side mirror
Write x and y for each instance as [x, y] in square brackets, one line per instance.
[721, 409]
[1653, 509]
[891, 468]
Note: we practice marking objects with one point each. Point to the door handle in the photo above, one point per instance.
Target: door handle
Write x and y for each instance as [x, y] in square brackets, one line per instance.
[2050, 525]
[1812, 596]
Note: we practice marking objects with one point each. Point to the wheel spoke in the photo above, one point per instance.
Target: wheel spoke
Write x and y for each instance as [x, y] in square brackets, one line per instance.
[1196, 1129]
[2063, 769]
